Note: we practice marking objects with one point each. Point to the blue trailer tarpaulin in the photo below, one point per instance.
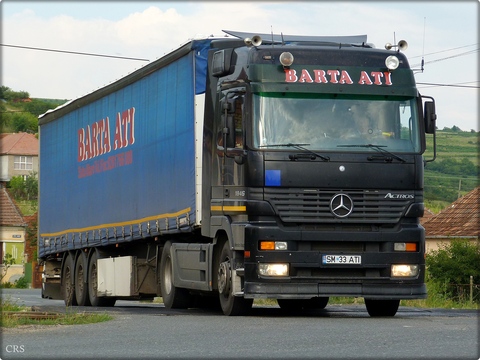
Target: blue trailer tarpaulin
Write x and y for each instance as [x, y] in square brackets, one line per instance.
[123, 166]
[201, 55]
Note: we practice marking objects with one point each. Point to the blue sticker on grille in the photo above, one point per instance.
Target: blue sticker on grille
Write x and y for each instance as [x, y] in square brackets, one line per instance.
[273, 178]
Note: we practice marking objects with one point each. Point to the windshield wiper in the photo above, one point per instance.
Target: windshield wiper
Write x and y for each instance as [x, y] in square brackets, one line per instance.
[299, 147]
[386, 155]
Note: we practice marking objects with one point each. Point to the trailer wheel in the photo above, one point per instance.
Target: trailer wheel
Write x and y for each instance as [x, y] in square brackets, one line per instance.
[231, 305]
[382, 307]
[68, 282]
[93, 285]
[173, 297]
[81, 286]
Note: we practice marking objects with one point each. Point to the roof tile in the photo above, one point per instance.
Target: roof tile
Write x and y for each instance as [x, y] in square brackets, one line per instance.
[10, 215]
[18, 144]
[461, 218]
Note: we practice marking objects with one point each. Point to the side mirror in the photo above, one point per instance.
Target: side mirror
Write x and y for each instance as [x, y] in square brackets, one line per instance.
[429, 116]
[221, 63]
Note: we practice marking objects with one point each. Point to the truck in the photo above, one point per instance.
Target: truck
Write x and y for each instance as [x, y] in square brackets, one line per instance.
[250, 166]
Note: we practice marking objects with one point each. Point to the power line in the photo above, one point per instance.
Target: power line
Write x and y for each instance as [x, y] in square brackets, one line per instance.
[73, 52]
[446, 58]
[442, 51]
[449, 85]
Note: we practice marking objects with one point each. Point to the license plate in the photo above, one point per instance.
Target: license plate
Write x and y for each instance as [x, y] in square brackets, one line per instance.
[342, 259]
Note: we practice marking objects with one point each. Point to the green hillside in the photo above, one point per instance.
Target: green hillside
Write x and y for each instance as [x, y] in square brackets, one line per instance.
[455, 171]
[19, 112]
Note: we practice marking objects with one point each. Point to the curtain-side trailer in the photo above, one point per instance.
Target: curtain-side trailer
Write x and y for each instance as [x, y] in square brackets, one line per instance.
[238, 168]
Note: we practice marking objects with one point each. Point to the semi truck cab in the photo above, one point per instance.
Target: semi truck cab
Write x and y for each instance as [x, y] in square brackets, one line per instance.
[316, 172]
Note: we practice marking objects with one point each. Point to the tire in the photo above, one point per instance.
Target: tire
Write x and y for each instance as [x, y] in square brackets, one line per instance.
[81, 283]
[68, 282]
[377, 308]
[317, 303]
[208, 302]
[231, 305]
[92, 284]
[173, 297]
[291, 306]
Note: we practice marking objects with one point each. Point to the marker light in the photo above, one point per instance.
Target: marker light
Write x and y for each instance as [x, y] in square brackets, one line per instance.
[286, 58]
[273, 269]
[273, 245]
[404, 270]
[392, 62]
[405, 247]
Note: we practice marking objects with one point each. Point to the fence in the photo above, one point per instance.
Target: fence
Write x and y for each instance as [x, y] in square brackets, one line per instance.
[463, 292]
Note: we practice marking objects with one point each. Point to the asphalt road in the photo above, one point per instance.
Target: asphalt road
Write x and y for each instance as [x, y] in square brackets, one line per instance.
[149, 331]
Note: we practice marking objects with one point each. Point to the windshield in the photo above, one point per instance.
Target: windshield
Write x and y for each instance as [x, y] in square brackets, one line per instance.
[320, 122]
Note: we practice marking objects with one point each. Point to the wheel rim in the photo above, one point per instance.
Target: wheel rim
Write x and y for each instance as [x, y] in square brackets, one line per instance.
[167, 276]
[80, 279]
[68, 296]
[93, 279]
[224, 278]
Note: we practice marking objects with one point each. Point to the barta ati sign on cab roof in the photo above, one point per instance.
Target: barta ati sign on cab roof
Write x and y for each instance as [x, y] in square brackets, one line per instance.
[338, 77]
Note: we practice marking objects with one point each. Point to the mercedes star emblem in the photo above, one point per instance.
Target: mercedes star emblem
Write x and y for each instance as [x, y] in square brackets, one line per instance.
[341, 205]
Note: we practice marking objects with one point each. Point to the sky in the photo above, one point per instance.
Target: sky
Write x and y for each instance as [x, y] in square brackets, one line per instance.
[443, 32]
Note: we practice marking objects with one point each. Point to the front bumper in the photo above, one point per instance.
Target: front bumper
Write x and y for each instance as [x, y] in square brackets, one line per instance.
[309, 290]
[310, 277]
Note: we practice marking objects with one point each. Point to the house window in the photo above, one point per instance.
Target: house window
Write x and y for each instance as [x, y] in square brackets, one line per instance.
[23, 163]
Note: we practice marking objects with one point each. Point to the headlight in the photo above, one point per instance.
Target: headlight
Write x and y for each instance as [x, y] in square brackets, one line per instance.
[392, 62]
[404, 270]
[273, 269]
[286, 58]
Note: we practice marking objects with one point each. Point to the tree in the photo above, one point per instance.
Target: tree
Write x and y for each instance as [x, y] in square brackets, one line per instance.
[8, 261]
[3, 90]
[454, 264]
[24, 189]
[17, 187]
[11, 95]
[25, 122]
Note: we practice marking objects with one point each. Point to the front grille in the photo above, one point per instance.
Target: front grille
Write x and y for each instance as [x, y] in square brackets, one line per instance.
[305, 206]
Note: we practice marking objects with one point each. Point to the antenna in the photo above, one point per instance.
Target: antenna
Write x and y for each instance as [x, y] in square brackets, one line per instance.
[271, 30]
[423, 46]
[283, 41]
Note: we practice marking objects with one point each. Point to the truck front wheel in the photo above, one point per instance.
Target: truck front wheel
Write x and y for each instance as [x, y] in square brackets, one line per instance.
[382, 307]
[231, 305]
[173, 297]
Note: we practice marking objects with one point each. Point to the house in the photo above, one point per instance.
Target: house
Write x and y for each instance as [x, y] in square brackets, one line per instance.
[460, 220]
[12, 238]
[18, 155]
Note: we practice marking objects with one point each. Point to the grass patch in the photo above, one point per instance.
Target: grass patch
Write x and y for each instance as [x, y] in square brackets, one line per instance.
[12, 316]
